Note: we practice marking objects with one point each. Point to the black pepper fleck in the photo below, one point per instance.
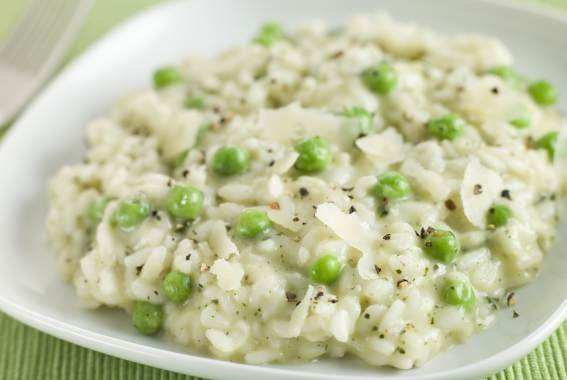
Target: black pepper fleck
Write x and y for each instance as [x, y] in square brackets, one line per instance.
[493, 302]
[352, 209]
[337, 54]
[387, 237]
[291, 297]
[506, 194]
[511, 299]
[477, 190]
[303, 192]
[450, 204]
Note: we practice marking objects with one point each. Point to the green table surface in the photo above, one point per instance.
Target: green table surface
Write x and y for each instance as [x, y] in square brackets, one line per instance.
[26, 353]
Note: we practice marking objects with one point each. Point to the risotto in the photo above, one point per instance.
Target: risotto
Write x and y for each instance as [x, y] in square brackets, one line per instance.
[373, 190]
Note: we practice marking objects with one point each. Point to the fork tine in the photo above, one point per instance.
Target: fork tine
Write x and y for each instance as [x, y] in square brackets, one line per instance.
[30, 42]
[32, 34]
[35, 48]
[26, 26]
[53, 27]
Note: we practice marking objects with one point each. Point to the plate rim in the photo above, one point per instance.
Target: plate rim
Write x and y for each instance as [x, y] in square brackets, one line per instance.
[208, 366]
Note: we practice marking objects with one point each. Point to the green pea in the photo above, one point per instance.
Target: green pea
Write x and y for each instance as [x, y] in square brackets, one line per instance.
[231, 160]
[147, 318]
[498, 215]
[184, 202]
[326, 270]
[508, 75]
[362, 119]
[314, 155]
[548, 142]
[441, 245]
[95, 211]
[543, 93]
[253, 223]
[459, 293]
[177, 287]
[130, 213]
[195, 102]
[446, 127]
[381, 79]
[166, 76]
[270, 33]
[392, 186]
[521, 122]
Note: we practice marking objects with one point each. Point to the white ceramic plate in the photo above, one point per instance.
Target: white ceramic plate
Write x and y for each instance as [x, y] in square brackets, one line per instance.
[49, 135]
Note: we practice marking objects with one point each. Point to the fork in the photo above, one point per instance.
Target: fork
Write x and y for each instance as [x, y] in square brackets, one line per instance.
[35, 48]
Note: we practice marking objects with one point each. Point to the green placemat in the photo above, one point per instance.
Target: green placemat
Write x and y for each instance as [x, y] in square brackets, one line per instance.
[27, 354]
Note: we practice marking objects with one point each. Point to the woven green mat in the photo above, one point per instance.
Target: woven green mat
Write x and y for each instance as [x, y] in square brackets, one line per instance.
[27, 354]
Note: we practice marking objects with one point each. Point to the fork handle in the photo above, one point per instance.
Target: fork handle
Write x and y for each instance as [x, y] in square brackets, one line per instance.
[19, 85]
[17, 88]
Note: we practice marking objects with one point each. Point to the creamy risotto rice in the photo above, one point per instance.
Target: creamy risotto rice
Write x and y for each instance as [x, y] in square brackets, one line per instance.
[373, 190]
